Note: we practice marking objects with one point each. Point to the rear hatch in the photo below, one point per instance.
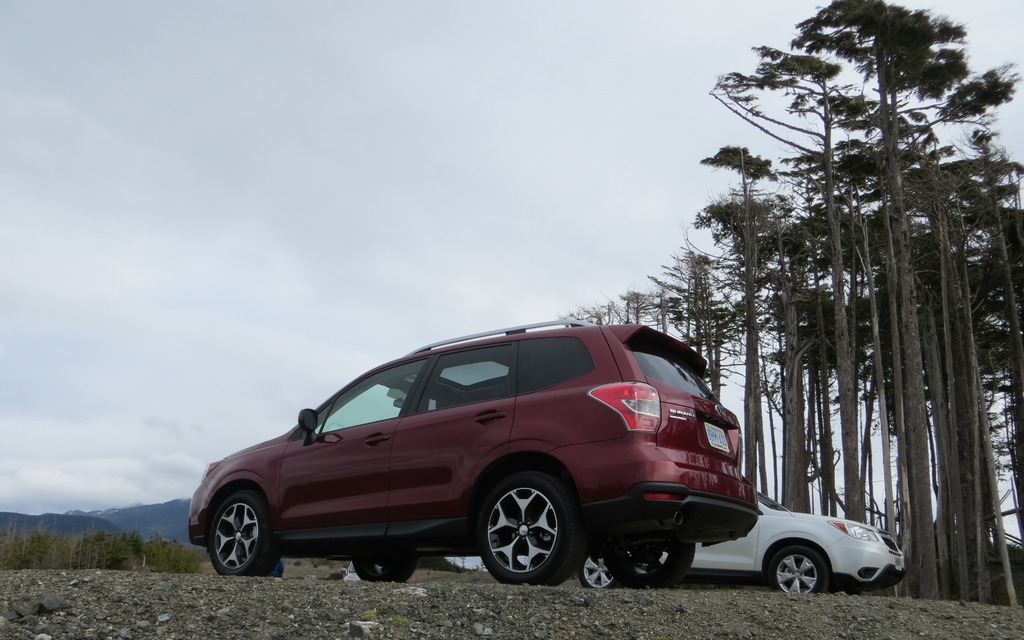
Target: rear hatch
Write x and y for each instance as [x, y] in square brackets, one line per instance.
[693, 419]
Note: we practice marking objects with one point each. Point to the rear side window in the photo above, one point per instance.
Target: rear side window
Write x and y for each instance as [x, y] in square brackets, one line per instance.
[666, 367]
[545, 362]
[466, 377]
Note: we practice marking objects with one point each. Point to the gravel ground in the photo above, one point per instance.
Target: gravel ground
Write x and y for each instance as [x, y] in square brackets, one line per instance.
[54, 605]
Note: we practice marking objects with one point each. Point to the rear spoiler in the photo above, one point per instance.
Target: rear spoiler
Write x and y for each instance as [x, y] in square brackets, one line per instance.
[626, 333]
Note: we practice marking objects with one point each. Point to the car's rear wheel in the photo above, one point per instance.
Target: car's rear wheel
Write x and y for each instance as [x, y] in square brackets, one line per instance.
[530, 530]
[241, 542]
[655, 565]
[396, 568]
[798, 569]
[594, 573]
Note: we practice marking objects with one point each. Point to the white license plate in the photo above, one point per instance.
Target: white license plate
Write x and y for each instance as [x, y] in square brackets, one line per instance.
[716, 437]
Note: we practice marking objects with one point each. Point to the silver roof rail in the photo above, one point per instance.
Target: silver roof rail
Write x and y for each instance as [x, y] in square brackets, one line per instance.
[505, 332]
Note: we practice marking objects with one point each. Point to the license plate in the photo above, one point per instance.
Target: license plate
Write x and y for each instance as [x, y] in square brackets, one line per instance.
[716, 437]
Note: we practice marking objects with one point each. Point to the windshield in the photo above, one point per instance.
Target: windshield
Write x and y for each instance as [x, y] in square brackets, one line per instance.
[770, 504]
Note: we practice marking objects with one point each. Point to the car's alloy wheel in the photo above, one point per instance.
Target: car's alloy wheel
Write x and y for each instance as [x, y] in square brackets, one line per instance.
[594, 574]
[240, 541]
[798, 569]
[530, 530]
[398, 568]
[655, 565]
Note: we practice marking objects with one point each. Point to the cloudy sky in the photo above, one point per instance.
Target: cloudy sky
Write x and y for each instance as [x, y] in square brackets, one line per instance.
[215, 213]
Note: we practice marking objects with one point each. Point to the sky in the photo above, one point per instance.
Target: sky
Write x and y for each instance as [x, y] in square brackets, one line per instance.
[215, 213]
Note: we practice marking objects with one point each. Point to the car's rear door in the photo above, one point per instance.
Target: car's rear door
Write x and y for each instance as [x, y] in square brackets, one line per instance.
[462, 421]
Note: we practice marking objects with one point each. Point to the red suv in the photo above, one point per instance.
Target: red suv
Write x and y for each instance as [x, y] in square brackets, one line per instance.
[530, 447]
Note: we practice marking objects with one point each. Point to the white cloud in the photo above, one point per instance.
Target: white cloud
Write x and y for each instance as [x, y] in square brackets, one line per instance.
[50, 486]
[213, 218]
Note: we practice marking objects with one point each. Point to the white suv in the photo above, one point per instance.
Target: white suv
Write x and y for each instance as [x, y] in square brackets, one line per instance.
[794, 552]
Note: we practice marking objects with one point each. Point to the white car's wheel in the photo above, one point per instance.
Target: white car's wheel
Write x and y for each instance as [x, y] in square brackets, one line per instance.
[594, 574]
[799, 569]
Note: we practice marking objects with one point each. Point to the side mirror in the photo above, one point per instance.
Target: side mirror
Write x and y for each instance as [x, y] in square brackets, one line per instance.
[307, 422]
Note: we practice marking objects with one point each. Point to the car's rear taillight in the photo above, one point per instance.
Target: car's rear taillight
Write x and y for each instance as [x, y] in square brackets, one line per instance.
[637, 403]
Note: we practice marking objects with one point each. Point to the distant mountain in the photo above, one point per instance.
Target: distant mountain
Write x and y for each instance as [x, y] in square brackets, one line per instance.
[168, 520]
[62, 524]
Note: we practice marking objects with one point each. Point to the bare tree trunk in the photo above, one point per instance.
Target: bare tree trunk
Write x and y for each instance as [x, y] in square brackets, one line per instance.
[923, 576]
[883, 410]
[964, 399]
[1017, 349]
[898, 391]
[947, 529]
[752, 384]
[952, 411]
[795, 494]
[811, 429]
[988, 461]
[846, 377]
[762, 463]
[993, 487]
[825, 444]
[771, 439]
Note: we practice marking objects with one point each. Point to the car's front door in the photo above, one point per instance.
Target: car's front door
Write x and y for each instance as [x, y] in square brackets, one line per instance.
[341, 478]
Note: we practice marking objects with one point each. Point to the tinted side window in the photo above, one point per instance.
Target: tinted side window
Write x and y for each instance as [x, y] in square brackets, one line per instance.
[376, 398]
[667, 368]
[545, 362]
[466, 377]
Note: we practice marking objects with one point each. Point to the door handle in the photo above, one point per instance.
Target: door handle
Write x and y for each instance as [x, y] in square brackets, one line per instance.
[487, 417]
[375, 439]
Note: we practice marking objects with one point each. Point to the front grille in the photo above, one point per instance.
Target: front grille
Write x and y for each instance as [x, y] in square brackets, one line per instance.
[888, 540]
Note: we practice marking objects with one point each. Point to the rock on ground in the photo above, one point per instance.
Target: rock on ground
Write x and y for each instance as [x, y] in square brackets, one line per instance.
[84, 605]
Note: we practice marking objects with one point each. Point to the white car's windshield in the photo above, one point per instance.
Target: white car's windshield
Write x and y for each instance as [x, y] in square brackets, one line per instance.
[771, 504]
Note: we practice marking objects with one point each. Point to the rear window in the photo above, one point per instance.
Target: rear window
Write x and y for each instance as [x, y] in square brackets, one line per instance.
[467, 377]
[667, 367]
[545, 362]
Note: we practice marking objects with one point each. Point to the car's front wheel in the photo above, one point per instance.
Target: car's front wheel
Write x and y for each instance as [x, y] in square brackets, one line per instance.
[655, 565]
[397, 568]
[530, 530]
[798, 569]
[241, 542]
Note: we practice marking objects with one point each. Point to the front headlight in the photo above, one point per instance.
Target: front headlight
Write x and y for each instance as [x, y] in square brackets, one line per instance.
[857, 531]
[209, 469]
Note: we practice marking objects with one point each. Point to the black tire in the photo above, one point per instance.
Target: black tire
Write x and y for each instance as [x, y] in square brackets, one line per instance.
[799, 569]
[240, 541]
[594, 573]
[396, 568]
[530, 530]
[654, 565]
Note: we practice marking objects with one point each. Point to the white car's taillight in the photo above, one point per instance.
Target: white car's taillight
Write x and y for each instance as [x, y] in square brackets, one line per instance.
[638, 403]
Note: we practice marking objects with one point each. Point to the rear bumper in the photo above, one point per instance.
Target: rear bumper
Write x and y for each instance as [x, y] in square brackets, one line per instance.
[689, 515]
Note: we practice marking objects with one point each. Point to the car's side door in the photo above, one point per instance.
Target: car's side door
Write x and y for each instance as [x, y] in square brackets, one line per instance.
[461, 422]
[341, 478]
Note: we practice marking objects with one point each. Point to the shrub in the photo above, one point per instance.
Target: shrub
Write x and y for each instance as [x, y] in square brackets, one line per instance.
[96, 550]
